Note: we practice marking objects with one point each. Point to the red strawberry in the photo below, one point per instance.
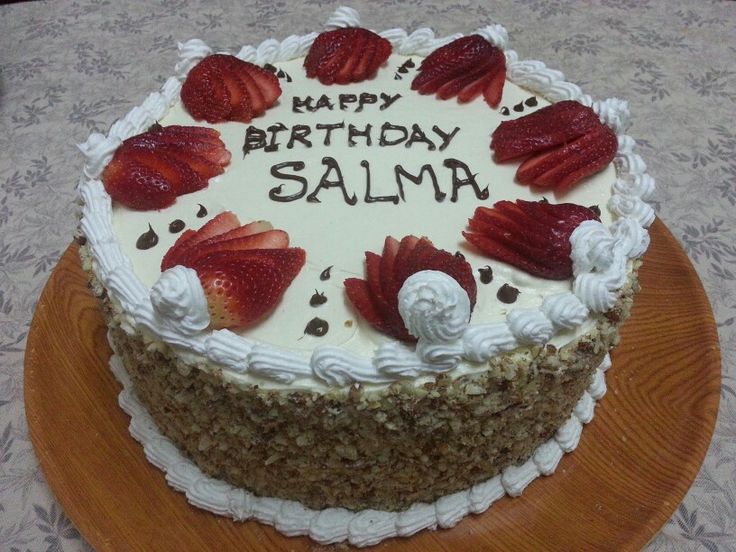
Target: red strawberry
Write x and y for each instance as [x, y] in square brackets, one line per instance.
[220, 224]
[465, 67]
[346, 55]
[376, 298]
[271, 239]
[242, 287]
[550, 126]
[224, 88]
[567, 142]
[167, 160]
[533, 236]
[137, 186]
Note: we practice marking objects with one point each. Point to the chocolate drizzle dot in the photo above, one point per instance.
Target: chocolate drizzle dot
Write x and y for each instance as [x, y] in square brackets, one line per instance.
[202, 211]
[595, 209]
[519, 107]
[507, 294]
[505, 110]
[317, 327]
[269, 67]
[317, 299]
[155, 127]
[531, 102]
[176, 226]
[147, 240]
[486, 274]
[325, 274]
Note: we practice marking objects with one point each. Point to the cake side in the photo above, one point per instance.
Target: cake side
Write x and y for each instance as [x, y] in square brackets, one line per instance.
[358, 448]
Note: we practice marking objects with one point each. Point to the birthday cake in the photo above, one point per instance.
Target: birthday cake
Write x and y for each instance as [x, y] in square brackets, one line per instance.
[363, 283]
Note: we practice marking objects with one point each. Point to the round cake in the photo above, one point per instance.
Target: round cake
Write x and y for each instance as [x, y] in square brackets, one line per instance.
[363, 283]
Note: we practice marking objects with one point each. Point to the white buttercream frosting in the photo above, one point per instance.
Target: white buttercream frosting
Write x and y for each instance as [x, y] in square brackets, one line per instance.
[178, 298]
[433, 306]
[335, 525]
[600, 256]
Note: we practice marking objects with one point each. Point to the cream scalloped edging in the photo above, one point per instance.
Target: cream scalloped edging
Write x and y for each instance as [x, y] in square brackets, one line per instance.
[601, 255]
[333, 525]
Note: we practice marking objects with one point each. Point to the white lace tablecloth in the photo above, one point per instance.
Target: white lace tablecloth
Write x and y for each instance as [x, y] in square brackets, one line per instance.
[72, 67]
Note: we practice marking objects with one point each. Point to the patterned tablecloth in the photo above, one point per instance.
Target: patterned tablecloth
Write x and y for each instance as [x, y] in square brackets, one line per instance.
[72, 67]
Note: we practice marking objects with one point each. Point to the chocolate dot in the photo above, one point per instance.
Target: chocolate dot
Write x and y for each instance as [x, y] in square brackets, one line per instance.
[176, 226]
[147, 240]
[531, 102]
[507, 294]
[519, 107]
[317, 327]
[595, 209]
[317, 299]
[486, 274]
[202, 211]
[505, 110]
[325, 274]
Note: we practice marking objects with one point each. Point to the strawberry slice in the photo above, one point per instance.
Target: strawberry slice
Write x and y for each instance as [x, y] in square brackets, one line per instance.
[567, 141]
[204, 93]
[224, 88]
[533, 236]
[545, 128]
[463, 68]
[267, 82]
[137, 186]
[164, 155]
[219, 224]
[242, 287]
[346, 55]
[271, 239]
[376, 298]
[182, 178]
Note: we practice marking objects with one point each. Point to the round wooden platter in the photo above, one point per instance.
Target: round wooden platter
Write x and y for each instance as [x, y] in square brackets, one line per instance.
[635, 462]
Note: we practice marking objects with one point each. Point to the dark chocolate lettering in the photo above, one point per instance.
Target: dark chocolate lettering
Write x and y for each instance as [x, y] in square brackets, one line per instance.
[385, 128]
[255, 138]
[297, 104]
[388, 100]
[469, 180]
[366, 98]
[274, 130]
[323, 102]
[325, 182]
[276, 193]
[401, 173]
[446, 137]
[370, 198]
[329, 128]
[299, 133]
[417, 135]
[345, 99]
[353, 131]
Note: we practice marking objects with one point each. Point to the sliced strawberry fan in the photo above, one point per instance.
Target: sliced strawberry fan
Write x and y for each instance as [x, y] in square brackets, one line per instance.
[465, 68]
[244, 270]
[149, 170]
[566, 142]
[223, 88]
[533, 236]
[346, 55]
[376, 297]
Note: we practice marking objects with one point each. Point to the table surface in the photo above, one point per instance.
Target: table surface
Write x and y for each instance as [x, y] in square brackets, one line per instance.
[72, 67]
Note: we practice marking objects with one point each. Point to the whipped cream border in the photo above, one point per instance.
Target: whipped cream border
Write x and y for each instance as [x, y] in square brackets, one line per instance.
[600, 254]
[332, 525]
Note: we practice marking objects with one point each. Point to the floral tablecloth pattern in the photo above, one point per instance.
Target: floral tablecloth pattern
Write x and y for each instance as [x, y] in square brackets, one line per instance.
[68, 68]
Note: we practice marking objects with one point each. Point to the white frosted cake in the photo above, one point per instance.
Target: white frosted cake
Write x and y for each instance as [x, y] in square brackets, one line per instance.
[358, 405]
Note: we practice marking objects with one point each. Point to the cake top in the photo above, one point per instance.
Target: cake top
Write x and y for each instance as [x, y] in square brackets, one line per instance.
[339, 168]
